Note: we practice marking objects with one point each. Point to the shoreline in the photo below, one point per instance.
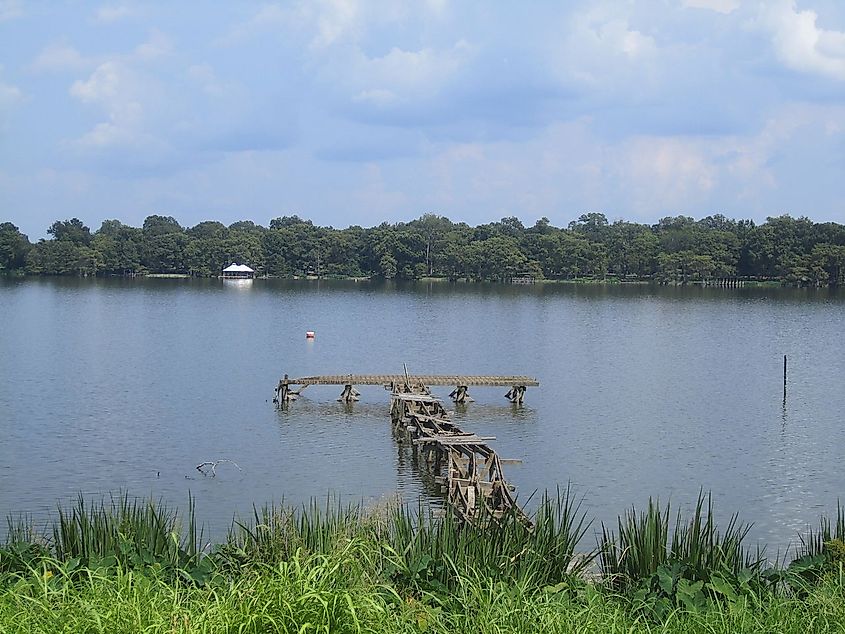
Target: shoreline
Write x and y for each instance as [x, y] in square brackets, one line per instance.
[584, 281]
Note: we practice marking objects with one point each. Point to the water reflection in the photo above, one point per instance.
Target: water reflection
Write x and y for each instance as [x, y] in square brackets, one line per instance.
[239, 284]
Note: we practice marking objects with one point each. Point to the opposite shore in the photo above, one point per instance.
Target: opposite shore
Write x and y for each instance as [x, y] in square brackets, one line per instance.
[714, 250]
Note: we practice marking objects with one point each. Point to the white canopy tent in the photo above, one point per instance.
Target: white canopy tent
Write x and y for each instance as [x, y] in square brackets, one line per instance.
[239, 271]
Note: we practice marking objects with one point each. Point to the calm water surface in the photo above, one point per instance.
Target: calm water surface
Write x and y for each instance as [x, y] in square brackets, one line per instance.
[112, 385]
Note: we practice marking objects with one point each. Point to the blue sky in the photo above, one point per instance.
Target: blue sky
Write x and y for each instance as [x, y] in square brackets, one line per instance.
[356, 112]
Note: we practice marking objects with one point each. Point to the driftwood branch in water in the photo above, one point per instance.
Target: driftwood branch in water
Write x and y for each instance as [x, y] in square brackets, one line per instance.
[201, 466]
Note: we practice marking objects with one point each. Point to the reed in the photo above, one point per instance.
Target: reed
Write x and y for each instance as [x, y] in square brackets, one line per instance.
[439, 552]
[813, 542]
[644, 543]
[126, 529]
[419, 550]
[277, 532]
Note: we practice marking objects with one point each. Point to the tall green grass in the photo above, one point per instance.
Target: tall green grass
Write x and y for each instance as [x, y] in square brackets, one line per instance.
[123, 527]
[124, 564]
[644, 543]
[417, 549]
[691, 565]
[333, 593]
[120, 530]
[813, 542]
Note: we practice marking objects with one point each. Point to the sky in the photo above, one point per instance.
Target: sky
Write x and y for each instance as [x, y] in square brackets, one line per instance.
[358, 112]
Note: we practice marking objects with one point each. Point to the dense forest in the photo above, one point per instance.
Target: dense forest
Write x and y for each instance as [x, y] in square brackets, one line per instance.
[676, 250]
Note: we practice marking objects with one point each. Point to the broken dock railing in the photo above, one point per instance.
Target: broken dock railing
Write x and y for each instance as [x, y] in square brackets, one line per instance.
[473, 481]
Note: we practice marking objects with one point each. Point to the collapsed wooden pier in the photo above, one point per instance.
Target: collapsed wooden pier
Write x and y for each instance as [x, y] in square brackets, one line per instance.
[474, 480]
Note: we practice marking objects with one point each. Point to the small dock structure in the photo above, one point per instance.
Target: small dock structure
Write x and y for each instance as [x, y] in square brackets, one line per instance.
[463, 464]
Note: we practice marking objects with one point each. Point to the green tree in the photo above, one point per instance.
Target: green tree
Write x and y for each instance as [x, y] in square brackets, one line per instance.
[433, 229]
[163, 245]
[13, 247]
[827, 265]
[160, 225]
[71, 230]
[592, 225]
[117, 248]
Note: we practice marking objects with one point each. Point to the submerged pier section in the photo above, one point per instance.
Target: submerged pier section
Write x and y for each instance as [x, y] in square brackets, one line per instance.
[473, 480]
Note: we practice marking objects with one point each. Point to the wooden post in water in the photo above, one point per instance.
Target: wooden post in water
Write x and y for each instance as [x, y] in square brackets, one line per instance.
[784, 378]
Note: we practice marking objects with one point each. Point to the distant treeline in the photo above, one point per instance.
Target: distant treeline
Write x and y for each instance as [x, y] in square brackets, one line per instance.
[675, 250]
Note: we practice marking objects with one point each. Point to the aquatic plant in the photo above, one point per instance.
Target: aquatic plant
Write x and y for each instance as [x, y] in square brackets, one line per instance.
[691, 565]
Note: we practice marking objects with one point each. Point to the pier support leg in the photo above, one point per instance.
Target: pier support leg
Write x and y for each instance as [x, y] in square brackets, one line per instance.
[349, 394]
[516, 394]
[284, 394]
[460, 395]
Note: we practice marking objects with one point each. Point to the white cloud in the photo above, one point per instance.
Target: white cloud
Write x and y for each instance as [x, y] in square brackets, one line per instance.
[10, 9]
[334, 19]
[324, 24]
[666, 172]
[325, 21]
[437, 7]
[404, 74]
[800, 43]
[9, 94]
[204, 75]
[602, 49]
[107, 14]
[157, 45]
[720, 6]
[380, 97]
[113, 88]
[10, 97]
[103, 86]
[751, 157]
[60, 57]
[270, 16]
[375, 195]
[617, 36]
[118, 89]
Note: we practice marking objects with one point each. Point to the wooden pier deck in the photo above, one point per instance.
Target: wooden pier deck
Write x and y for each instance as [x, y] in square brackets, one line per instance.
[467, 469]
[416, 379]
[288, 388]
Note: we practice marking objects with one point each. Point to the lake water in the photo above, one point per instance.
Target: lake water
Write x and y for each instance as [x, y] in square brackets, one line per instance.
[109, 385]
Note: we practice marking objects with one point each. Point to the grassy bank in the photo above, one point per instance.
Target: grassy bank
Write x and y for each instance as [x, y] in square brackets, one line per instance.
[130, 566]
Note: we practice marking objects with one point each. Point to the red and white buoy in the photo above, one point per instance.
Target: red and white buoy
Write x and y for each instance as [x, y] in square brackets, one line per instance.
[309, 334]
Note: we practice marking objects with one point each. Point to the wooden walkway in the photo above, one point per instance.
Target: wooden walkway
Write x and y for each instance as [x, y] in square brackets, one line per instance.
[463, 464]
